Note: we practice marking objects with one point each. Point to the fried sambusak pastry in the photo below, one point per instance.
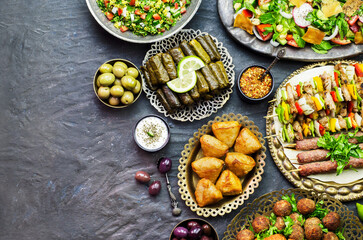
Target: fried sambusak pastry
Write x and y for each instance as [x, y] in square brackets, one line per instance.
[212, 147]
[206, 193]
[247, 142]
[226, 132]
[239, 163]
[208, 167]
[229, 184]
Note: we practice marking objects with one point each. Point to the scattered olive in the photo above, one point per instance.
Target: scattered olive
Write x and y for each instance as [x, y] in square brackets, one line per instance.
[106, 79]
[180, 232]
[104, 92]
[120, 63]
[106, 68]
[132, 72]
[127, 98]
[137, 88]
[128, 82]
[142, 176]
[118, 71]
[117, 82]
[164, 165]
[98, 81]
[207, 229]
[114, 101]
[117, 91]
[192, 224]
[154, 188]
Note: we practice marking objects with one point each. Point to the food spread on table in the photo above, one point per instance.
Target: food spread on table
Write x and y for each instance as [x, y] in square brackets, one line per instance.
[143, 17]
[322, 24]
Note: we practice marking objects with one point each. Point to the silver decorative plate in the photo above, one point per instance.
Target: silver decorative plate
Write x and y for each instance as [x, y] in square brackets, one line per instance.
[129, 36]
[226, 12]
[203, 108]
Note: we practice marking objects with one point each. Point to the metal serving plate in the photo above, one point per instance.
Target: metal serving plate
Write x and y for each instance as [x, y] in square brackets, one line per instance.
[353, 228]
[188, 180]
[129, 36]
[343, 192]
[226, 12]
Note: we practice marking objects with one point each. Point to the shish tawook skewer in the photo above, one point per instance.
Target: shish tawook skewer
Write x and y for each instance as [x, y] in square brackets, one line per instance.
[326, 167]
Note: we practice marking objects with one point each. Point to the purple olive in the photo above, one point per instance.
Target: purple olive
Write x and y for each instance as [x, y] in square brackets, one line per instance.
[142, 176]
[180, 232]
[207, 229]
[195, 233]
[204, 237]
[175, 238]
[154, 188]
[192, 224]
[164, 165]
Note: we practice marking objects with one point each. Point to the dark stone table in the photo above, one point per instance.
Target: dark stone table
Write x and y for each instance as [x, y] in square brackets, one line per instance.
[67, 162]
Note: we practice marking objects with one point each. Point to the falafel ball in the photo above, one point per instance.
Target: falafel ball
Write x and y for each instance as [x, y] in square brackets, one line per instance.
[295, 217]
[280, 223]
[305, 206]
[276, 237]
[313, 231]
[282, 208]
[312, 221]
[297, 233]
[260, 223]
[331, 221]
[245, 234]
[330, 236]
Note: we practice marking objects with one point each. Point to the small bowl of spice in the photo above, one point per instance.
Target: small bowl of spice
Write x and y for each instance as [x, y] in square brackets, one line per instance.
[252, 89]
[151, 133]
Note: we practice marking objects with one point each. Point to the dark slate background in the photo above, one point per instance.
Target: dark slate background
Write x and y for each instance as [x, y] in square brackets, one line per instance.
[67, 162]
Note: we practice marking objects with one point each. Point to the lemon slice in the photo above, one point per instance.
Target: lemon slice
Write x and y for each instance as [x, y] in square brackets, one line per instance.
[189, 64]
[183, 84]
[360, 211]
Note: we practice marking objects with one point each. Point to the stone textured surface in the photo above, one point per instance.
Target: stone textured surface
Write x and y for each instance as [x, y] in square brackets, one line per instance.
[67, 162]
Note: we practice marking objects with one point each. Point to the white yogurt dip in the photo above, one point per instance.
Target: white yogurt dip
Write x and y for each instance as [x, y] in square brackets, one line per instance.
[151, 133]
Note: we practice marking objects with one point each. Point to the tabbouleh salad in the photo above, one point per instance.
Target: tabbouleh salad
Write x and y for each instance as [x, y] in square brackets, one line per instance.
[143, 17]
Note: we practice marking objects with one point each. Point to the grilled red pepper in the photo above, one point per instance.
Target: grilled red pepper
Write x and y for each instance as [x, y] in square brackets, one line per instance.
[298, 90]
[321, 130]
[334, 96]
[354, 123]
[299, 109]
[350, 106]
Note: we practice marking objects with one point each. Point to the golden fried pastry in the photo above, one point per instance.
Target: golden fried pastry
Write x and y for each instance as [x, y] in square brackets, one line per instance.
[206, 193]
[212, 147]
[226, 132]
[247, 142]
[276, 237]
[229, 184]
[208, 167]
[239, 163]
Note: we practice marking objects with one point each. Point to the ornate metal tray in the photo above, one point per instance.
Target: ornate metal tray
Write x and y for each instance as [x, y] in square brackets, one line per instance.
[188, 179]
[204, 108]
[226, 12]
[353, 228]
[342, 191]
[129, 36]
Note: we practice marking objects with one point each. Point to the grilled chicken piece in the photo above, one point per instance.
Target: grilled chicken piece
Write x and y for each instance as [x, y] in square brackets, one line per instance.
[355, 106]
[308, 88]
[343, 110]
[326, 81]
[309, 101]
[291, 98]
[300, 118]
[322, 113]
[329, 100]
[324, 122]
[346, 93]
[342, 123]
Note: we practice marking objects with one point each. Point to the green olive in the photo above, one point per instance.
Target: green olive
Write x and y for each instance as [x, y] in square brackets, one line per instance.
[118, 71]
[127, 98]
[106, 79]
[121, 63]
[103, 92]
[132, 72]
[114, 101]
[128, 82]
[106, 68]
[117, 82]
[137, 88]
[117, 91]
[98, 81]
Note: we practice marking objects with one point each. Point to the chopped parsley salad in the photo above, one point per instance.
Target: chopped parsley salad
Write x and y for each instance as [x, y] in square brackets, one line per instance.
[143, 17]
[322, 23]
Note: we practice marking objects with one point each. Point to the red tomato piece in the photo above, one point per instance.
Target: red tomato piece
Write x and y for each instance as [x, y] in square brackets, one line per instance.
[183, 10]
[176, 5]
[156, 16]
[146, 8]
[105, 2]
[109, 16]
[161, 30]
[355, 28]
[359, 69]
[247, 13]
[263, 2]
[261, 29]
[124, 28]
[137, 12]
[289, 37]
[132, 2]
[143, 16]
[353, 20]
[339, 41]
[293, 43]
[119, 11]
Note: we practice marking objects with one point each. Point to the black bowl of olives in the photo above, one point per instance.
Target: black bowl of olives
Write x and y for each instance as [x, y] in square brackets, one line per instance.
[117, 83]
[194, 229]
